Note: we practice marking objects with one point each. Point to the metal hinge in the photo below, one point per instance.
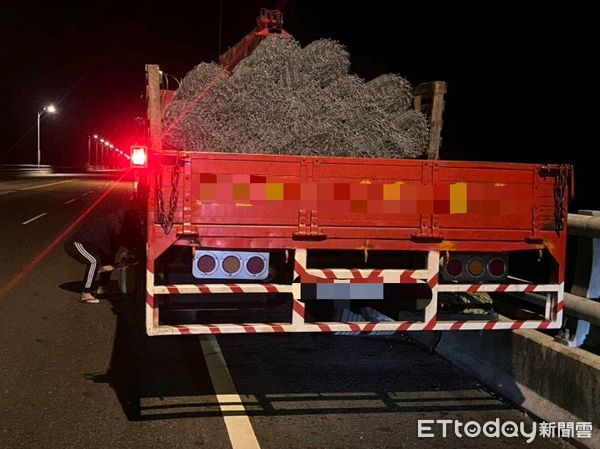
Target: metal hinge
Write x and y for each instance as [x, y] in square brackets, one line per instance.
[428, 231]
[308, 226]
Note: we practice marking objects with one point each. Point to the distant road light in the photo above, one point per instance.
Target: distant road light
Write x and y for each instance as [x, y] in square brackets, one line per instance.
[50, 109]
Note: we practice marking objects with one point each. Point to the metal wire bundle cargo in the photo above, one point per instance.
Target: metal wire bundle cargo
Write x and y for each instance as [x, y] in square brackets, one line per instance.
[284, 99]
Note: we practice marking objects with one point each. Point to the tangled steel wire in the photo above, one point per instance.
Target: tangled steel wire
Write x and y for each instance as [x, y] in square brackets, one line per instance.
[284, 99]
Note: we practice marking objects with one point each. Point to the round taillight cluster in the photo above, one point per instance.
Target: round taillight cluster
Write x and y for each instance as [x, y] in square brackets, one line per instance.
[216, 264]
[475, 268]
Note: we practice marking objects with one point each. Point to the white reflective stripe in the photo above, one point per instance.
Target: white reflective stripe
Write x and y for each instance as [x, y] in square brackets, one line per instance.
[93, 265]
[92, 268]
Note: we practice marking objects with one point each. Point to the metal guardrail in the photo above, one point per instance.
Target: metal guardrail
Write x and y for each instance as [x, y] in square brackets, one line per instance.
[582, 308]
[584, 225]
[7, 170]
[580, 225]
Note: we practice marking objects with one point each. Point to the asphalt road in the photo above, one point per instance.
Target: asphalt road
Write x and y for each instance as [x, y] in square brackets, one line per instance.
[76, 375]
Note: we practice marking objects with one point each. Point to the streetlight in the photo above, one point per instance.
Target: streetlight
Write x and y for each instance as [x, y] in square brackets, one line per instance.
[100, 161]
[96, 149]
[89, 158]
[105, 151]
[52, 110]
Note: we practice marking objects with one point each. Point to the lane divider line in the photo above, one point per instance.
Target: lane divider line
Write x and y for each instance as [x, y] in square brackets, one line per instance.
[84, 194]
[34, 218]
[240, 431]
[70, 201]
[46, 185]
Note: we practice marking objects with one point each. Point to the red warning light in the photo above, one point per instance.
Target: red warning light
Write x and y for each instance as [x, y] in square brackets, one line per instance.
[138, 156]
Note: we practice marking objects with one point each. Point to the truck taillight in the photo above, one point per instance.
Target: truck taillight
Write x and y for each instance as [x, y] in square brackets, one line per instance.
[475, 268]
[255, 265]
[139, 156]
[497, 267]
[227, 264]
[454, 267]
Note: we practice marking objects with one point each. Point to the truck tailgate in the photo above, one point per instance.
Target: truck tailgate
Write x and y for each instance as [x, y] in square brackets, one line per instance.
[360, 197]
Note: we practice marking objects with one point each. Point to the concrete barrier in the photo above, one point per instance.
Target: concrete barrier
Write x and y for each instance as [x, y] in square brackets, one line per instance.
[550, 381]
[10, 170]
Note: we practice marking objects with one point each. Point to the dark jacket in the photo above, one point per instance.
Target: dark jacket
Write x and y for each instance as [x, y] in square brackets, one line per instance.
[104, 235]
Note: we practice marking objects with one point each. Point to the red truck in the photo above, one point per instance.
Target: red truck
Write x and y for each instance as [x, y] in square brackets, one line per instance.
[247, 243]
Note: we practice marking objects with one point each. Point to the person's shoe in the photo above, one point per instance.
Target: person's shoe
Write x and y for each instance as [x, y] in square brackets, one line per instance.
[89, 298]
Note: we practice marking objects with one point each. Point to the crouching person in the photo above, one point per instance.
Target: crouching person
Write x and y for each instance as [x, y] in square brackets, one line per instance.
[95, 244]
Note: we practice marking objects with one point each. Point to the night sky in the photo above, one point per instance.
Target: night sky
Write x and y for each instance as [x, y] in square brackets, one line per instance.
[515, 76]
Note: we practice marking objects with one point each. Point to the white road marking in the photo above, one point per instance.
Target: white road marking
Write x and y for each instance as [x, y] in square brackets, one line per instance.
[34, 218]
[84, 194]
[70, 201]
[238, 426]
[46, 185]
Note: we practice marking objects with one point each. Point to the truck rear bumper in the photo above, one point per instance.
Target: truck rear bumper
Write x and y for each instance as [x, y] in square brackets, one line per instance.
[552, 315]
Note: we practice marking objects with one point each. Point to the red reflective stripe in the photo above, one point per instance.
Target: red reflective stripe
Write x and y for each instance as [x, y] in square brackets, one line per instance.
[517, 324]
[183, 330]
[530, 288]
[368, 280]
[271, 288]
[404, 326]
[473, 288]
[375, 274]
[172, 290]
[489, 325]
[544, 325]
[298, 308]
[249, 329]
[431, 324]
[560, 305]
[214, 329]
[502, 287]
[406, 277]
[277, 328]
[356, 273]
[299, 269]
[150, 299]
[203, 288]
[324, 327]
[354, 327]
[369, 327]
[433, 282]
[236, 288]
[328, 273]
[456, 326]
